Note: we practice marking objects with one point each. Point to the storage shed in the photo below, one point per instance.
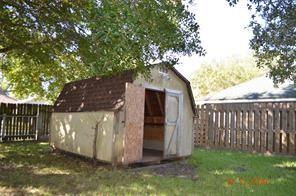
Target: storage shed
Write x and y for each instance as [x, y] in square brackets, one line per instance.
[125, 119]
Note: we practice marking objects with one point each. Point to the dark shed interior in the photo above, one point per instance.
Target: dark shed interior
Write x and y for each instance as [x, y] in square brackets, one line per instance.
[153, 140]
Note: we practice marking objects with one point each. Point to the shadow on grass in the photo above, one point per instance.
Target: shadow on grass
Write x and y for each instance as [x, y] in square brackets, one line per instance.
[24, 165]
[27, 167]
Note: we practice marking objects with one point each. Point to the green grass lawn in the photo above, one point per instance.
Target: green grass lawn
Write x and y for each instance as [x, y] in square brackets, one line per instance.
[30, 168]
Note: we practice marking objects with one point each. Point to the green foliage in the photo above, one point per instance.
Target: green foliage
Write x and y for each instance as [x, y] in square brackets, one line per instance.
[212, 77]
[44, 44]
[4, 85]
[44, 80]
[274, 40]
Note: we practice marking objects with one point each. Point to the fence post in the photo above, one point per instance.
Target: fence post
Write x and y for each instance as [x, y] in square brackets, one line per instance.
[37, 124]
[3, 124]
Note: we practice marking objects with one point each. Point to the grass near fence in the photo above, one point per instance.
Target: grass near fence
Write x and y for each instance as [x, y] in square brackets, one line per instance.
[30, 168]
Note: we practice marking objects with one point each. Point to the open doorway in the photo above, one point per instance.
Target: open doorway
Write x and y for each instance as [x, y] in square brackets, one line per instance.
[154, 125]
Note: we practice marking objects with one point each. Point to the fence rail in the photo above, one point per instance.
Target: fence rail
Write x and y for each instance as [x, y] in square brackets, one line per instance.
[259, 127]
[24, 121]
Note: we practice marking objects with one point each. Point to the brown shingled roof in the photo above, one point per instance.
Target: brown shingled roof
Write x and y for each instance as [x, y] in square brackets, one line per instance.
[93, 94]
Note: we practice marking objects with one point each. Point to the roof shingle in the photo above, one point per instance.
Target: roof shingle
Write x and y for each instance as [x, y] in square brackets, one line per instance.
[93, 94]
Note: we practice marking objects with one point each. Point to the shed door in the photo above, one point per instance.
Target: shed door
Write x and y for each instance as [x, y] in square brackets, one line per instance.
[173, 113]
[134, 123]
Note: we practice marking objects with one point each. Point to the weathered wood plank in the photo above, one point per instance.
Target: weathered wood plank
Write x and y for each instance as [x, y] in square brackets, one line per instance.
[232, 128]
[238, 126]
[257, 129]
[277, 123]
[26, 119]
[14, 119]
[263, 129]
[206, 126]
[210, 127]
[292, 128]
[202, 126]
[244, 128]
[196, 125]
[3, 121]
[8, 119]
[284, 128]
[250, 128]
[216, 130]
[292, 144]
[227, 128]
[269, 128]
[221, 126]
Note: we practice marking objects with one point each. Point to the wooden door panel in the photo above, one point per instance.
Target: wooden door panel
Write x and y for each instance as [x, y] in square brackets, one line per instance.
[134, 123]
[173, 113]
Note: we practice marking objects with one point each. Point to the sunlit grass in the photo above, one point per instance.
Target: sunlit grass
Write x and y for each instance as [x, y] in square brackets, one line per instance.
[223, 172]
[30, 168]
[287, 164]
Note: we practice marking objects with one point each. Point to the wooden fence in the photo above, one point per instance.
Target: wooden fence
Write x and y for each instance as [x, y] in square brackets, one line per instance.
[258, 127]
[24, 121]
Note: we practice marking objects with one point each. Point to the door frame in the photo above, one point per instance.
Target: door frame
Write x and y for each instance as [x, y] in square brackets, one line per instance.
[178, 92]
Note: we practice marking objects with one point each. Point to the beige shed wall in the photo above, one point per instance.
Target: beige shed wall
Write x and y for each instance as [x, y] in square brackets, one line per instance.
[74, 132]
[175, 83]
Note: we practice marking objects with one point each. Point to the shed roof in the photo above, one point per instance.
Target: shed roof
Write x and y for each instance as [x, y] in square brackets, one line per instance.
[258, 88]
[95, 93]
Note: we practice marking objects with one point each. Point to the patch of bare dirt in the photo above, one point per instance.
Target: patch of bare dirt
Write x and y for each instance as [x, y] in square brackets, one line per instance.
[239, 169]
[173, 169]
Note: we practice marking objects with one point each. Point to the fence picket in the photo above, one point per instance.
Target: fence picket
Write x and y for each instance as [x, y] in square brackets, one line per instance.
[210, 128]
[257, 130]
[3, 118]
[9, 124]
[206, 126]
[216, 131]
[244, 128]
[250, 128]
[238, 127]
[284, 127]
[227, 134]
[221, 126]
[269, 128]
[277, 120]
[232, 128]
[196, 126]
[263, 126]
[14, 118]
[292, 149]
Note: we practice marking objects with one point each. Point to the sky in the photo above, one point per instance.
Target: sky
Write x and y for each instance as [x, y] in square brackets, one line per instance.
[223, 33]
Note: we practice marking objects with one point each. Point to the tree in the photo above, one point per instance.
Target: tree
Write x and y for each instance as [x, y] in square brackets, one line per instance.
[274, 41]
[213, 76]
[46, 43]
